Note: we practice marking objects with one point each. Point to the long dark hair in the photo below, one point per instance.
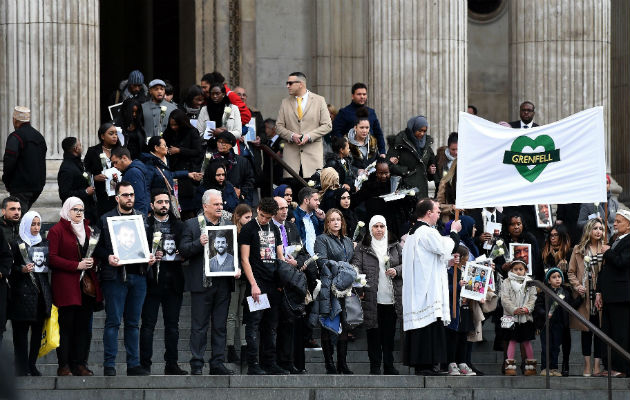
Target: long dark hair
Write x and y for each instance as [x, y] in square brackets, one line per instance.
[565, 243]
[126, 114]
[209, 176]
[181, 119]
[193, 91]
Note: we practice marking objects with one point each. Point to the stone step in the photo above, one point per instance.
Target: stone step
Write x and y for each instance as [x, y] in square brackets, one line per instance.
[317, 387]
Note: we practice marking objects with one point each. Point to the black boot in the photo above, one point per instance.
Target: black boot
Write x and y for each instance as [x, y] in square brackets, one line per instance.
[342, 350]
[328, 357]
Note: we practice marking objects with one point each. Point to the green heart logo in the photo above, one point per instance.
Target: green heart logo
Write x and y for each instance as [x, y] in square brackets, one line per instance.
[522, 161]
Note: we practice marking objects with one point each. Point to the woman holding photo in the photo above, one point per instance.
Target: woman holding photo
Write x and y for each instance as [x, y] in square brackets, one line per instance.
[96, 160]
[68, 244]
[31, 298]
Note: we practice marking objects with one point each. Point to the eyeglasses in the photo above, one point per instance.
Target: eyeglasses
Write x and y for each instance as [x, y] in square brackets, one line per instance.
[78, 210]
[289, 83]
[527, 110]
[127, 195]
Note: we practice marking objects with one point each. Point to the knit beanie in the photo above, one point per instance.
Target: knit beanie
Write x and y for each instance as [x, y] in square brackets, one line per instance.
[551, 271]
[135, 78]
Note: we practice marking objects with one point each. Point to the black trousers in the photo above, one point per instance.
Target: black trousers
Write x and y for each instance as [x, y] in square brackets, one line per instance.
[4, 300]
[260, 330]
[171, 305]
[381, 340]
[300, 326]
[213, 303]
[556, 333]
[616, 324]
[588, 338]
[74, 326]
[285, 339]
[25, 355]
[456, 349]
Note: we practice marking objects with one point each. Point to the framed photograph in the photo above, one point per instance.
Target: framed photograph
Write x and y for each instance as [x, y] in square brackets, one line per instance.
[543, 216]
[221, 251]
[524, 251]
[39, 256]
[169, 248]
[493, 228]
[129, 239]
[114, 111]
[112, 176]
[477, 278]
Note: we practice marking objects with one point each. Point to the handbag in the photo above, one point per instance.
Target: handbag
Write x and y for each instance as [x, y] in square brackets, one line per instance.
[50, 333]
[172, 197]
[353, 311]
[507, 322]
[87, 285]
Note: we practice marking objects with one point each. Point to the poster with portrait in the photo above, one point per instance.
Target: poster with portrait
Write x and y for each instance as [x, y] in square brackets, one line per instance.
[524, 251]
[169, 248]
[221, 251]
[493, 228]
[129, 239]
[543, 216]
[112, 175]
[39, 257]
[477, 280]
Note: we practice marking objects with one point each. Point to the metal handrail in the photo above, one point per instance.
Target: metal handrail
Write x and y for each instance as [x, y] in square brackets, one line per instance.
[596, 331]
[276, 158]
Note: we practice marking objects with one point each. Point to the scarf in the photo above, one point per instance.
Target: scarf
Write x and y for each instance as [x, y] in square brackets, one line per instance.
[215, 110]
[414, 125]
[329, 179]
[379, 246]
[191, 111]
[25, 228]
[229, 159]
[77, 227]
[518, 285]
[449, 157]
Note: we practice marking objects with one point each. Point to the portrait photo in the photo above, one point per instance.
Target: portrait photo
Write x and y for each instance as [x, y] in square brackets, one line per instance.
[524, 251]
[543, 216]
[129, 240]
[169, 248]
[221, 251]
[39, 256]
[477, 279]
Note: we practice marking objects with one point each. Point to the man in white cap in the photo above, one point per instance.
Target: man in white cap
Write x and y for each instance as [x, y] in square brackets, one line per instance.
[24, 173]
[157, 110]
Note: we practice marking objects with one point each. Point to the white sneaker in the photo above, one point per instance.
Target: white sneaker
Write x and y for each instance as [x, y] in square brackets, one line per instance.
[453, 370]
[464, 369]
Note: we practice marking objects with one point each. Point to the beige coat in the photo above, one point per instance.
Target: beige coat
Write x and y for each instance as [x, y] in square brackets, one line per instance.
[576, 274]
[478, 309]
[315, 123]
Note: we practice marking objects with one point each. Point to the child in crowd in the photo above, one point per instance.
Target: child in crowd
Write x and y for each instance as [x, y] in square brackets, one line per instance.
[457, 330]
[341, 161]
[557, 318]
[517, 323]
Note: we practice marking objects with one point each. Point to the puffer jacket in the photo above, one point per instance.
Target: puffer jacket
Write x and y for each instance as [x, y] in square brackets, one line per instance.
[367, 263]
[336, 277]
[411, 166]
[293, 282]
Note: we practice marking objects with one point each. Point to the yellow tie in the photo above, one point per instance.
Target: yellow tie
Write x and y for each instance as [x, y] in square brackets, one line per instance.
[299, 109]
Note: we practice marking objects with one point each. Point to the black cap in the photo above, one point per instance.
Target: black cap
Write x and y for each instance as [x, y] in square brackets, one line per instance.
[227, 136]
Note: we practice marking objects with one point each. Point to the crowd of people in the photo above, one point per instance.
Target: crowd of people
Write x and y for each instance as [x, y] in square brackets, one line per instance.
[360, 244]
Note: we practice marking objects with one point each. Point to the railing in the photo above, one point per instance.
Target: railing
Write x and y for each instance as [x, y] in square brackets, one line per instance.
[276, 158]
[596, 331]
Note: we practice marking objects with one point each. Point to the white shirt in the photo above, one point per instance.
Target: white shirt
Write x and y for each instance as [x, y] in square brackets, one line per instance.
[530, 125]
[304, 101]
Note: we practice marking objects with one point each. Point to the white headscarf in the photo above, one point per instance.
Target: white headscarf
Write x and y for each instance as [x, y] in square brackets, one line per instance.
[379, 246]
[77, 227]
[25, 228]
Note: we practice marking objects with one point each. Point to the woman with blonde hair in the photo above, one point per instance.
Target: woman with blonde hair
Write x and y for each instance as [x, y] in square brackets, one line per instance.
[329, 181]
[588, 252]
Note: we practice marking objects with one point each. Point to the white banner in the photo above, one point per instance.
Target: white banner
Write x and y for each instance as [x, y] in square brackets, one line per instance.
[563, 162]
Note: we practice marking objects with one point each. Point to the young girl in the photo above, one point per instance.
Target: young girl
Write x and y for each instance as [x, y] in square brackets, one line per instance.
[458, 329]
[518, 303]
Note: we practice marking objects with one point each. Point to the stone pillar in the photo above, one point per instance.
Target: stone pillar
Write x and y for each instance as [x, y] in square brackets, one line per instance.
[341, 50]
[560, 58]
[418, 63]
[620, 96]
[50, 63]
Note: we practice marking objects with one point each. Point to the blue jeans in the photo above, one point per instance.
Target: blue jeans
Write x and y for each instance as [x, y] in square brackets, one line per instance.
[123, 300]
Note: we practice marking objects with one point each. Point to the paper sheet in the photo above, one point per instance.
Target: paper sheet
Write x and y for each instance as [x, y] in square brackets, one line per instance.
[263, 303]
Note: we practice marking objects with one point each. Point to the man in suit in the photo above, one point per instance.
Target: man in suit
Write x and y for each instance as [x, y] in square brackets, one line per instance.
[613, 292]
[302, 121]
[209, 297]
[527, 116]
[482, 217]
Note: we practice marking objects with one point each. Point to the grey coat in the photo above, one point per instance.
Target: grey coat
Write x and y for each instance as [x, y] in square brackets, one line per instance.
[366, 261]
[153, 126]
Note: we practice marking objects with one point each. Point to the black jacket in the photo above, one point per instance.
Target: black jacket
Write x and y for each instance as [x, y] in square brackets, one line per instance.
[11, 233]
[25, 160]
[28, 302]
[92, 163]
[171, 276]
[240, 174]
[72, 183]
[189, 157]
[412, 166]
[517, 124]
[560, 316]
[347, 172]
[613, 281]
[475, 213]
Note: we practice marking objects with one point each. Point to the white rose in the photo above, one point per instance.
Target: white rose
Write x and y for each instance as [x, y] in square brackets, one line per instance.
[386, 259]
[499, 242]
[412, 193]
[587, 259]
[85, 175]
[501, 252]
[227, 110]
[163, 108]
[361, 224]
[311, 183]
[103, 156]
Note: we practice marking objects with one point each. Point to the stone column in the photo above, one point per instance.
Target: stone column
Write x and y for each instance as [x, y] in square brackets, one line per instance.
[50, 63]
[418, 63]
[560, 58]
[341, 50]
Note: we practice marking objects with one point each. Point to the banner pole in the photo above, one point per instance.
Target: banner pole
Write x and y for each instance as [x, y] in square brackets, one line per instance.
[606, 222]
[455, 282]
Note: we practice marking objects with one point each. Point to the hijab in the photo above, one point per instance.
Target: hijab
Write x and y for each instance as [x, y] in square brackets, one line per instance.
[25, 228]
[414, 125]
[465, 235]
[379, 246]
[210, 176]
[329, 179]
[279, 191]
[77, 227]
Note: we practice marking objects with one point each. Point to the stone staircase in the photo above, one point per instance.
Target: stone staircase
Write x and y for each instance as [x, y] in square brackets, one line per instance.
[315, 385]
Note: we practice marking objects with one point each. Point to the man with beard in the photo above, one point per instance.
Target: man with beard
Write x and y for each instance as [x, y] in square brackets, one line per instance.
[222, 261]
[128, 242]
[165, 286]
[526, 113]
[209, 297]
[170, 248]
[157, 110]
[39, 259]
[9, 232]
[124, 289]
[11, 215]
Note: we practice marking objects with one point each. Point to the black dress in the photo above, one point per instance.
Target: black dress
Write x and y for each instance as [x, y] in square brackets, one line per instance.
[92, 162]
